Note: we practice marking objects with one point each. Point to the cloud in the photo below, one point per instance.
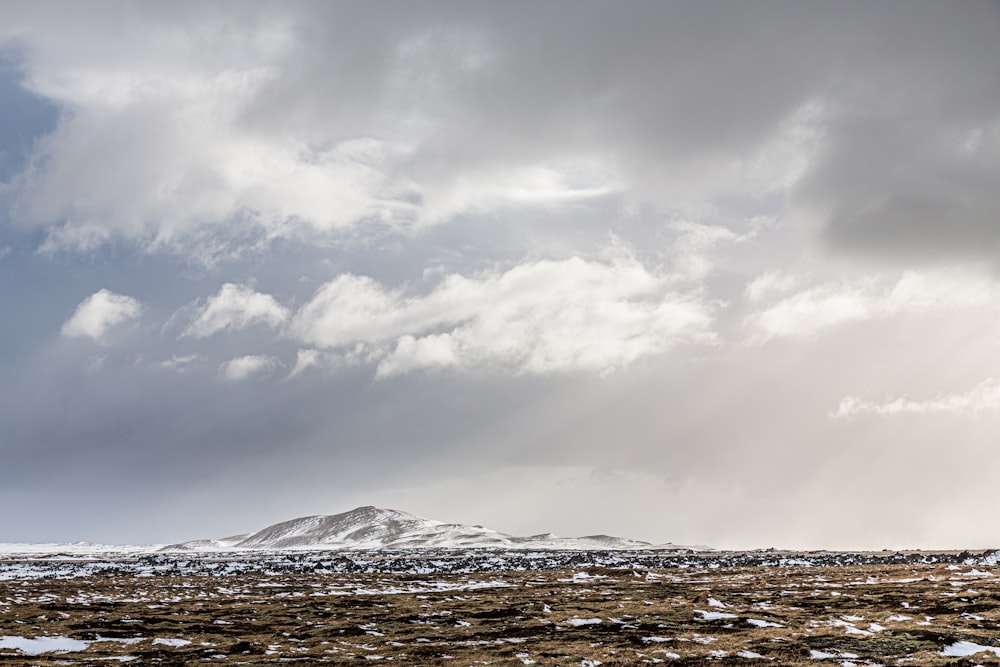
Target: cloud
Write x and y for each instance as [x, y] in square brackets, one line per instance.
[537, 317]
[246, 367]
[502, 189]
[908, 188]
[768, 284]
[329, 361]
[809, 311]
[178, 170]
[236, 307]
[431, 351]
[99, 314]
[403, 215]
[304, 360]
[693, 246]
[984, 397]
[316, 121]
[180, 363]
[194, 161]
[903, 174]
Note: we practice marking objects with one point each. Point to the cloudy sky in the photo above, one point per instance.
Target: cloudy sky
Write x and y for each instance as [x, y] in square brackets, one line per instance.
[721, 273]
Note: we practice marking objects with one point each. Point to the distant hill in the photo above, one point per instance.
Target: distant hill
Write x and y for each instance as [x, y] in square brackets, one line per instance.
[376, 528]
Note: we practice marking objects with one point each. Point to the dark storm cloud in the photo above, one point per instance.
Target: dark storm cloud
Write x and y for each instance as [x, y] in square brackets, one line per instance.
[506, 81]
[912, 144]
[910, 188]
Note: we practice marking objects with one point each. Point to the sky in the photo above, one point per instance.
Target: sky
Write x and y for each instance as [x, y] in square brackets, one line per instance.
[718, 273]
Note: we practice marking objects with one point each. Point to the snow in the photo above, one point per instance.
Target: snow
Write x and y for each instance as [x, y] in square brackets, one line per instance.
[577, 622]
[171, 642]
[850, 628]
[712, 602]
[960, 649]
[763, 624]
[749, 654]
[40, 645]
[992, 559]
[416, 560]
[714, 615]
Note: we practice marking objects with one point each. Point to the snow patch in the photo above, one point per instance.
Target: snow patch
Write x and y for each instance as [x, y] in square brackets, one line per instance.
[176, 643]
[40, 645]
[961, 649]
[714, 615]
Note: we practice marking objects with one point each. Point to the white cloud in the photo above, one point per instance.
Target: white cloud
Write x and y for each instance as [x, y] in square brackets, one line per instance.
[176, 164]
[329, 361]
[304, 360]
[806, 313]
[537, 317]
[180, 363]
[692, 249]
[211, 188]
[922, 291]
[236, 307]
[243, 368]
[99, 314]
[435, 350]
[769, 284]
[984, 397]
[812, 310]
[486, 191]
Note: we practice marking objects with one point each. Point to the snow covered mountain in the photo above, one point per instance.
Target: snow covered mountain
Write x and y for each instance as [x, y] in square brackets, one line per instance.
[375, 528]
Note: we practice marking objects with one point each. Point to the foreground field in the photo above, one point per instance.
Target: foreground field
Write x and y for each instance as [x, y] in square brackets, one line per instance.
[801, 611]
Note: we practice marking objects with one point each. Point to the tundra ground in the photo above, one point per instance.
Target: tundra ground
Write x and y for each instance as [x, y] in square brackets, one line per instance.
[888, 613]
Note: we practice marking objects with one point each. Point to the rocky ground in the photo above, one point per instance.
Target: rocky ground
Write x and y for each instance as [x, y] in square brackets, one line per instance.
[608, 608]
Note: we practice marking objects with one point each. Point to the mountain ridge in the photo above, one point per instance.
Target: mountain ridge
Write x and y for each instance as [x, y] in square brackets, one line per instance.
[370, 527]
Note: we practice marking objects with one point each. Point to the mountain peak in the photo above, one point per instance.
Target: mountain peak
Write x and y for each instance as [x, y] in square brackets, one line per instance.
[371, 527]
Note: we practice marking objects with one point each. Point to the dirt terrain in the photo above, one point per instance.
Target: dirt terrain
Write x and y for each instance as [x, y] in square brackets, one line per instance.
[912, 610]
